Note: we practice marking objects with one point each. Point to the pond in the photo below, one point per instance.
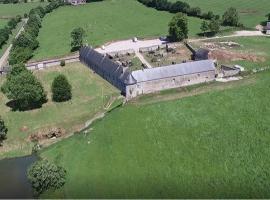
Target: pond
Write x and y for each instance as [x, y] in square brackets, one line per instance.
[13, 177]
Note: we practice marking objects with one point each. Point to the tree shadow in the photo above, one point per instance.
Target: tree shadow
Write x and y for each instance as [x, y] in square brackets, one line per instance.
[206, 34]
[17, 106]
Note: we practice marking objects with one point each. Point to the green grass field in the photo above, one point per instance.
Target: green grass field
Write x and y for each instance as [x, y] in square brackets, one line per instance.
[252, 12]
[87, 100]
[3, 23]
[11, 10]
[103, 21]
[214, 145]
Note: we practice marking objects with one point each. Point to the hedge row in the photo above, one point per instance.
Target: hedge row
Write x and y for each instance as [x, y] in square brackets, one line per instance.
[179, 6]
[7, 30]
[24, 46]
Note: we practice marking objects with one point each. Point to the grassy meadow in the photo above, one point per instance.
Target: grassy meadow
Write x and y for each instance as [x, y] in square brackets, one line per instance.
[252, 12]
[103, 22]
[90, 94]
[11, 10]
[193, 147]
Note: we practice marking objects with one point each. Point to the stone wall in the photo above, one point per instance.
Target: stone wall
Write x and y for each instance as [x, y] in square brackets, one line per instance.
[168, 83]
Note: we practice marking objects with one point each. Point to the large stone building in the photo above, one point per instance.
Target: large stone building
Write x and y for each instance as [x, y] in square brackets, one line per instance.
[150, 80]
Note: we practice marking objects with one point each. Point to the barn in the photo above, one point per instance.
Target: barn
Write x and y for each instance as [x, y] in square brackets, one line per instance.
[150, 80]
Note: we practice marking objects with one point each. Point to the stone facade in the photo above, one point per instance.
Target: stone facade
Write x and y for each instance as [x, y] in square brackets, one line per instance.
[153, 86]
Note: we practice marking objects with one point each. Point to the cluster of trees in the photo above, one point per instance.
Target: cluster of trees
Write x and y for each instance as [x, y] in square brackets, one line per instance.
[7, 30]
[9, 1]
[26, 92]
[230, 17]
[45, 175]
[213, 26]
[24, 46]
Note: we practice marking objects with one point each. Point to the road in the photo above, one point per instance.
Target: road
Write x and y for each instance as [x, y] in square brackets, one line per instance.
[236, 34]
[4, 58]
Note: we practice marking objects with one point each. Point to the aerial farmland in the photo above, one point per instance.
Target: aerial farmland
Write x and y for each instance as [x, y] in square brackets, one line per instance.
[155, 99]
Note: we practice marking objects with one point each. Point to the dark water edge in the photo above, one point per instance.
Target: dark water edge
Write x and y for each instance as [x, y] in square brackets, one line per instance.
[13, 177]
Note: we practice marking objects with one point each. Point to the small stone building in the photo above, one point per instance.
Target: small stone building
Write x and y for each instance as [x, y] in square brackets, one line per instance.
[228, 71]
[150, 80]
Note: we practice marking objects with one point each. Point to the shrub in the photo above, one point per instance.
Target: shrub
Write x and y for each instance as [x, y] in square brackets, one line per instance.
[61, 89]
[44, 175]
[62, 63]
[3, 130]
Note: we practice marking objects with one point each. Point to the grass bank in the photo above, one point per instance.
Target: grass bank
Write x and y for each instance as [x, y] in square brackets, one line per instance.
[214, 145]
[90, 95]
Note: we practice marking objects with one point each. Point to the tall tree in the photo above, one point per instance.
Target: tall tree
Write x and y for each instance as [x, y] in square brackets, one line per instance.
[178, 27]
[204, 27]
[214, 26]
[61, 89]
[24, 89]
[45, 175]
[77, 36]
[230, 17]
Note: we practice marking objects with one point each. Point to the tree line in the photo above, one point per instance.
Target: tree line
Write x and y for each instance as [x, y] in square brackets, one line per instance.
[24, 46]
[7, 30]
[184, 7]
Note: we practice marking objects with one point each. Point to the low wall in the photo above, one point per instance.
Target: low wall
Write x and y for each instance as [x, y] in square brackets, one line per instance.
[156, 47]
[121, 53]
[50, 63]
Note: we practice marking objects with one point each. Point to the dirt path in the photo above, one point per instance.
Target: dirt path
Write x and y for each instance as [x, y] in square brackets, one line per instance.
[236, 34]
[142, 59]
[4, 58]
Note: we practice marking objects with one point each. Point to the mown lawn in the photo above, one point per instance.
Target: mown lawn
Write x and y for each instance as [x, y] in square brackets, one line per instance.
[252, 12]
[103, 22]
[214, 145]
[90, 94]
[11, 10]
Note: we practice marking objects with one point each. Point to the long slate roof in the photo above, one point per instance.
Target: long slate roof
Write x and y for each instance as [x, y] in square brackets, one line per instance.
[174, 70]
[102, 63]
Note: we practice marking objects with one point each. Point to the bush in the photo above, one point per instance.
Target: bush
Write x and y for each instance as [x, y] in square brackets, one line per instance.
[61, 89]
[3, 130]
[62, 63]
[44, 175]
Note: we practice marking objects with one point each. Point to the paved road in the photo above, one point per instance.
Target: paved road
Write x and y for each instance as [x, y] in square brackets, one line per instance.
[4, 58]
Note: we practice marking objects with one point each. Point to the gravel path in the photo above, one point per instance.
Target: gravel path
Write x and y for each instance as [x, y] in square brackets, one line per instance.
[129, 44]
[4, 58]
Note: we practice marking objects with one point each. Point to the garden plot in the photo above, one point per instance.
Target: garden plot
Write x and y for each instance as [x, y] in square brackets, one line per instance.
[129, 60]
[168, 55]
